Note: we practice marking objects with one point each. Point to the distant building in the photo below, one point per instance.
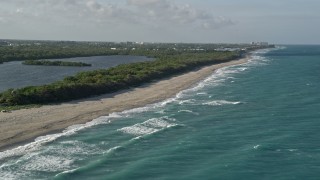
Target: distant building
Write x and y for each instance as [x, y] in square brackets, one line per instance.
[4, 43]
[260, 43]
[130, 43]
[227, 49]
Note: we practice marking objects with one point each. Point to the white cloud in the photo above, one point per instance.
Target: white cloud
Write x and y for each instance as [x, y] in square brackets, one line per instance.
[217, 22]
[159, 3]
[142, 12]
[167, 12]
[151, 20]
[94, 6]
[3, 20]
[159, 20]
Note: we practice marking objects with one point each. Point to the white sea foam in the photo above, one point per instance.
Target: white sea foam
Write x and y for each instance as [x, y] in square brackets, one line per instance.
[38, 142]
[48, 163]
[258, 60]
[137, 129]
[243, 68]
[33, 160]
[14, 175]
[149, 127]
[137, 110]
[26, 169]
[73, 148]
[219, 77]
[146, 108]
[187, 101]
[231, 78]
[162, 111]
[292, 150]
[19, 151]
[280, 47]
[264, 51]
[188, 111]
[221, 102]
[66, 172]
[256, 146]
[56, 158]
[157, 123]
[216, 78]
[112, 149]
[202, 93]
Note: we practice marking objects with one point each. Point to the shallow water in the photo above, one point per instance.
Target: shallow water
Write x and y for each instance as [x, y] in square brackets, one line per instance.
[15, 75]
[259, 120]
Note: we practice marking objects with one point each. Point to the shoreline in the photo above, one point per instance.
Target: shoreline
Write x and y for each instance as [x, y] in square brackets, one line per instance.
[23, 126]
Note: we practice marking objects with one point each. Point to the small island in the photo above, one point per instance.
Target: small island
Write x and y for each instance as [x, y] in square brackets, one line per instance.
[54, 63]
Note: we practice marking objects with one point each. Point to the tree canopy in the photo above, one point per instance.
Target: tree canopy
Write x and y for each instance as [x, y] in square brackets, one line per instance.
[54, 63]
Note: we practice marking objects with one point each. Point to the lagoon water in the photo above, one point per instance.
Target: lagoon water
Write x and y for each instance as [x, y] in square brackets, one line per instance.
[259, 120]
[15, 75]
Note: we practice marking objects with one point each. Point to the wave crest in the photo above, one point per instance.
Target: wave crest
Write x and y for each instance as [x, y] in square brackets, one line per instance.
[149, 127]
[221, 102]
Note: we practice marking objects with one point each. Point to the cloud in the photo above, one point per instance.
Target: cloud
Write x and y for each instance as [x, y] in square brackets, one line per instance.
[147, 13]
[217, 22]
[2, 20]
[163, 3]
[168, 12]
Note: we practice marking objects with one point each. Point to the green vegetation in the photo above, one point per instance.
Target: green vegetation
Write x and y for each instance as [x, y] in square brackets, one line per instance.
[170, 59]
[86, 84]
[54, 63]
[26, 50]
[18, 50]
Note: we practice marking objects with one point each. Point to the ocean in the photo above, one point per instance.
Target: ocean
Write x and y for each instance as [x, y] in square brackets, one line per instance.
[259, 120]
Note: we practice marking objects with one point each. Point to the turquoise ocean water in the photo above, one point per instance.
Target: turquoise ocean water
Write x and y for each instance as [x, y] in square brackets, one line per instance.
[259, 120]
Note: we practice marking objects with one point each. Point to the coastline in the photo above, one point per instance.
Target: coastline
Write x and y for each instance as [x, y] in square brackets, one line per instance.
[22, 126]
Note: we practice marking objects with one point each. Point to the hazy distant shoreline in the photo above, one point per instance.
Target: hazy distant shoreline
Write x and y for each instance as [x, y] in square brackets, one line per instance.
[22, 126]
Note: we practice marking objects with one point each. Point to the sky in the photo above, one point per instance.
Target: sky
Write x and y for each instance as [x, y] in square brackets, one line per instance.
[190, 21]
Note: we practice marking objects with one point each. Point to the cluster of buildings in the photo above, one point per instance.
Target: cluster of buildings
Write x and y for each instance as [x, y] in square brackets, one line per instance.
[260, 43]
[4, 43]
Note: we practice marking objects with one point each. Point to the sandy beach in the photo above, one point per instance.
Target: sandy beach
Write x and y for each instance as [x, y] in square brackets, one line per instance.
[22, 126]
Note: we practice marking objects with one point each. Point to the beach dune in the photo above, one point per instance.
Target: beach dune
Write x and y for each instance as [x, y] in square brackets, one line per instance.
[22, 126]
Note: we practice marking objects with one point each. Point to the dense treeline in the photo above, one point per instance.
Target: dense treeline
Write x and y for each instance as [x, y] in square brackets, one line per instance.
[35, 50]
[86, 84]
[54, 63]
[51, 52]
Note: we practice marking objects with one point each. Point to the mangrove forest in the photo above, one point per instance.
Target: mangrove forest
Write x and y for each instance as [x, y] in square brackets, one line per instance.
[54, 63]
[169, 60]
